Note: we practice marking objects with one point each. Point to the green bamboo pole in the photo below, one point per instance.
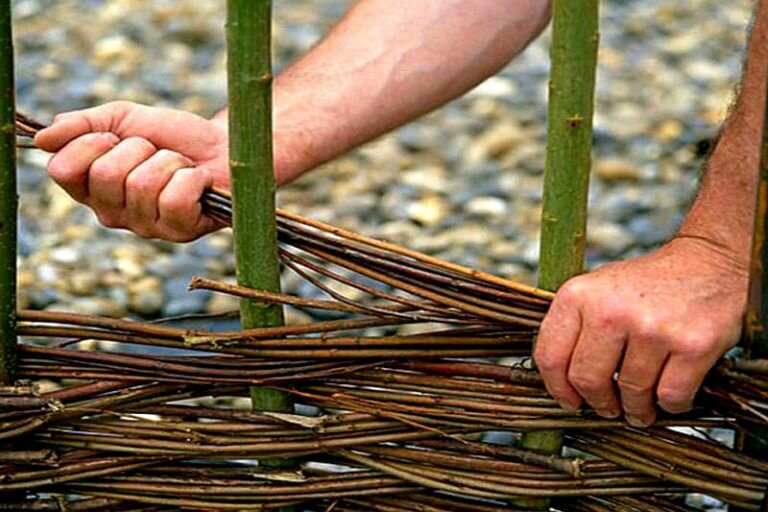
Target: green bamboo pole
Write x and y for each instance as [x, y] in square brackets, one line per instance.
[566, 180]
[756, 323]
[249, 70]
[8, 201]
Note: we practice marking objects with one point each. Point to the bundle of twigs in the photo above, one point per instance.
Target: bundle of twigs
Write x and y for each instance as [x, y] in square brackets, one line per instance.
[395, 421]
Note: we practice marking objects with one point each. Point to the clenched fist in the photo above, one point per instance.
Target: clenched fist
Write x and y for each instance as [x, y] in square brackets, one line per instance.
[138, 167]
[640, 333]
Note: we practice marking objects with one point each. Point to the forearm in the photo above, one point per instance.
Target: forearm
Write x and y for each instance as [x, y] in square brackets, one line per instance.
[723, 212]
[387, 62]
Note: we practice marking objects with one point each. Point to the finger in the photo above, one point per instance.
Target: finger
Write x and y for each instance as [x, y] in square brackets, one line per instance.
[71, 125]
[143, 186]
[69, 167]
[595, 359]
[106, 178]
[161, 126]
[640, 371]
[554, 343]
[181, 213]
[681, 378]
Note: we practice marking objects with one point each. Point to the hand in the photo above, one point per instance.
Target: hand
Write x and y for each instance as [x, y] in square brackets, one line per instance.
[661, 321]
[138, 167]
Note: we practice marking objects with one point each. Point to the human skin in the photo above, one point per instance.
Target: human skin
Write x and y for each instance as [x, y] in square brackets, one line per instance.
[662, 320]
[385, 63]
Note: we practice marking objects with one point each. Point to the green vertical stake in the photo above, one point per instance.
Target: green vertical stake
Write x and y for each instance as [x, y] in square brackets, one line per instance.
[249, 70]
[8, 201]
[575, 39]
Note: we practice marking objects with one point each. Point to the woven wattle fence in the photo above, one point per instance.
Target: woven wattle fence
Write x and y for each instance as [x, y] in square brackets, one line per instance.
[396, 422]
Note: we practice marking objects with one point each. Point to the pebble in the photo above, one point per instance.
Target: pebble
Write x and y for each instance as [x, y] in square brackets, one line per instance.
[495, 142]
[82, 282]
[179, 300]
[487, 206]
[222, 303]
[617, 170]
[430, 178]
[145, 295]
[610, 237]
[97, 306]
[428, 211]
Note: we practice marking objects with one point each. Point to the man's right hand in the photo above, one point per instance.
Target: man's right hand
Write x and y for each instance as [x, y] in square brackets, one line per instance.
[138, 167]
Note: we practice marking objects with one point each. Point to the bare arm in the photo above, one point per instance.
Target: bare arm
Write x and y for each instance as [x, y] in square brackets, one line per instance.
[385, 63]
[662, 321]
[388, 62]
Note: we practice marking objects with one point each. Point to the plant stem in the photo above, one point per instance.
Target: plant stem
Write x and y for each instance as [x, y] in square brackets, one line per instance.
[252, 175]
[566, 180]
[8, 201]
[755, 439]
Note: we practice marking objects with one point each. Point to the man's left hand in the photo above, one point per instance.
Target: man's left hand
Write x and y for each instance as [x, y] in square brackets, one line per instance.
[645, 331]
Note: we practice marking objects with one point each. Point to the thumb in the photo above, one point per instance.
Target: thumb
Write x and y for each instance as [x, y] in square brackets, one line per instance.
[71, 125]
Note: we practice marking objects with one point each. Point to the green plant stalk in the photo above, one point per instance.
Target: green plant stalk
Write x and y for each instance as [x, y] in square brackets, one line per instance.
[755, 441]
[566, 180]
[249, 71]
[8, 201]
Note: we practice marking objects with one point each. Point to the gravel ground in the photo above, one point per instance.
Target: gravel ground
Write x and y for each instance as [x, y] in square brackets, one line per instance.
[463, 183]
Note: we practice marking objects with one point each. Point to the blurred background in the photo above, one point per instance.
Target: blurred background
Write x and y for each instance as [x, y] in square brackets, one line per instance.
[463, 183]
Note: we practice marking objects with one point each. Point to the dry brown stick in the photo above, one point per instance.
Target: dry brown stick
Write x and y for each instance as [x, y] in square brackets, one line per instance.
[427, 294]
[569, 466]
[224, 200]
[426, 279]
[274, 298]
[684, 457]
[474, 274]
[414, 309]
[624, 458]
[410, 270]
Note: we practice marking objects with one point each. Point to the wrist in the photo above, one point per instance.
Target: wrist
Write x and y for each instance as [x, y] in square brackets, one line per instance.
[704, 248]
[723, 212]
[286, 167]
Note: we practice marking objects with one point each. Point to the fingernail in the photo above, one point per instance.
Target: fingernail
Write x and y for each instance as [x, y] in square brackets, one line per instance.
[608, 413]
[567, 405]
[636, 422]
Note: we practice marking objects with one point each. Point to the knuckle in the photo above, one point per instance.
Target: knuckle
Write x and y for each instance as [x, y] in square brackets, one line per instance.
[119, 106]
[171, 204]
[646, 327]
[176, 202]
[102, 169]
[695, 345]
[109, 221]
[571, 292]
[584, 383]
[178, 236]
[635, 388]
[605, 318]
[143, 232]
[545, 360]
[138, 182]
[105, 139]
[140, 143]
[60, 172]
[167, 155]
[674, 400]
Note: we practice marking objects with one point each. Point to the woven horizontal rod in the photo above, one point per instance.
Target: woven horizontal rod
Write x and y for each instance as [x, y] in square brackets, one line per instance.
[125, 449]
